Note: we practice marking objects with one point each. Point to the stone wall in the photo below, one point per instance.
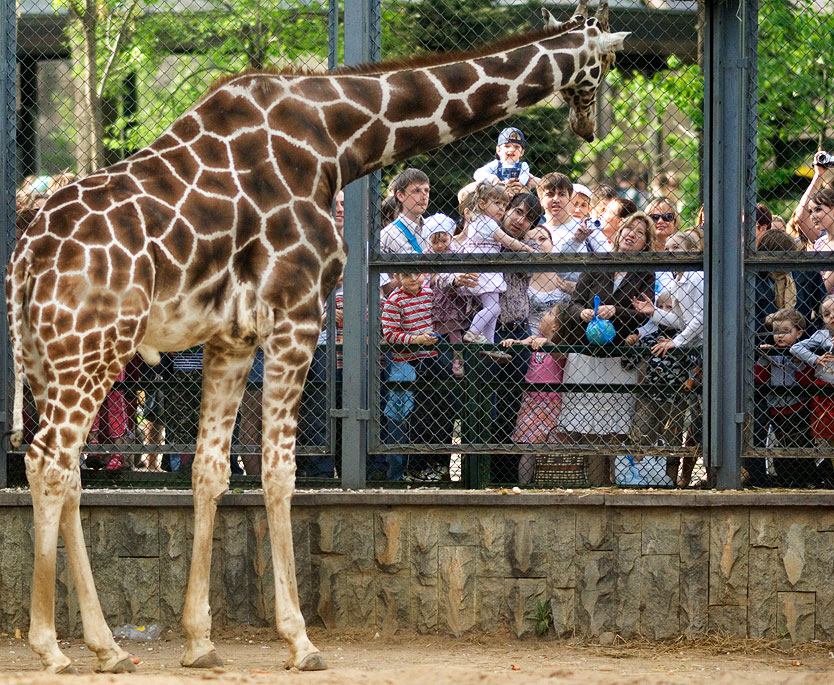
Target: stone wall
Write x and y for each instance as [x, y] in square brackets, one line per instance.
[654, 564]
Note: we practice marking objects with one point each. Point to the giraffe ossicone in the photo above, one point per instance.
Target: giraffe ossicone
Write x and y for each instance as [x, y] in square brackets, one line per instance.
[220, 233]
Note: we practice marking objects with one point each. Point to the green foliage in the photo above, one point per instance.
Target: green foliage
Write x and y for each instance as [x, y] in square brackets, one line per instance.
[643, 108]
[543, 617]
[796, 102]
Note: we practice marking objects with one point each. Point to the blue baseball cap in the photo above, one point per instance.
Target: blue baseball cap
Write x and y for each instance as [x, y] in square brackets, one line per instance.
[511, 135]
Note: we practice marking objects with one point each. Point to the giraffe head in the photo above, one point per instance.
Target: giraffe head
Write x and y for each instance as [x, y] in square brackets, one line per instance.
[592, 64]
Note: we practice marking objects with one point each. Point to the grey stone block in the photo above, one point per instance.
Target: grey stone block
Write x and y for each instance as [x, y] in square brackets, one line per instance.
[728, 557]
[627, 519]
[661, 531]
[694, 573]
[393, 604]
[391, 540]
[16, 562]
[659, 596]
[175, 535]
[424, 603]
[761, 615]
[346, 533]
[596, 601]
[628, 580]
[594, 529]
[456, 605]
[797, 615]
[560, 539]
[490, 605]
[262, 581]
[563, 610]
[424, 547]
[522, 596]
[492, 545]
[764, 528]
[728, 620]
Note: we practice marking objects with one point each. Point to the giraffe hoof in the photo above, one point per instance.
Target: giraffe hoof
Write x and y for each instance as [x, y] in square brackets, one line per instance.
[124, 666]
[313, 662]
[210, 660]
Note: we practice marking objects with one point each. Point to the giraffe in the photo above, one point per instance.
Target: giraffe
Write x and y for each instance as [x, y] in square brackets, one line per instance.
[220, 232]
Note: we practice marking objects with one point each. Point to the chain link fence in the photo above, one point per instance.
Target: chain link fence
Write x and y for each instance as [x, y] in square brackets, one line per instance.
[523, 379]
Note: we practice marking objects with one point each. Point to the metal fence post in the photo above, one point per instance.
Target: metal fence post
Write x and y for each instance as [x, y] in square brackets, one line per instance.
[360, 46]
[8, 173]
[729, 64]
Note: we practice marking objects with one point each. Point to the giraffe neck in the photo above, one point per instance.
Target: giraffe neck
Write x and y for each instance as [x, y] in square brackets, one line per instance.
[417, 109]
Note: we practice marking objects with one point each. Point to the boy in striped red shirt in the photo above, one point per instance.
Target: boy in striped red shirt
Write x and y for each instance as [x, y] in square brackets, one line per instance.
[414, 417]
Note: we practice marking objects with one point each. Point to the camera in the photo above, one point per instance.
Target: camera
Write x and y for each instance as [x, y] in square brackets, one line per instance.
[596, 224]
[824, 160]
[509, 172]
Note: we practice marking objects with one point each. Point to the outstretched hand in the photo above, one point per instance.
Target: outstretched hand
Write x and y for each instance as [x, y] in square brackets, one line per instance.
[643, 304]
[662, 347]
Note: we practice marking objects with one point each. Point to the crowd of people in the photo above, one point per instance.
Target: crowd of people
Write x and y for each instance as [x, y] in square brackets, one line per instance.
[600, 361]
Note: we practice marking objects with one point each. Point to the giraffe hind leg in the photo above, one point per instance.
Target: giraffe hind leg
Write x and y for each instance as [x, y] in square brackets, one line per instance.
[224, 379]
[283, 386]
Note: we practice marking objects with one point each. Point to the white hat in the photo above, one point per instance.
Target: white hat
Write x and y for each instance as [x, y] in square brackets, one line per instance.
[439, 223]
[579, 189]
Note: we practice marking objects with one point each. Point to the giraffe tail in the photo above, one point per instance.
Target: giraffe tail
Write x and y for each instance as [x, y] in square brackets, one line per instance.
[16, 285]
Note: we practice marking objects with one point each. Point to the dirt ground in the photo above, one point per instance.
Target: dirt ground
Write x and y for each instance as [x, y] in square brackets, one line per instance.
[254, 656]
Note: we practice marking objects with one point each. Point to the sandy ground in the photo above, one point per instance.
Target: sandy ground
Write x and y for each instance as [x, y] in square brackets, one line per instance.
[254, 656]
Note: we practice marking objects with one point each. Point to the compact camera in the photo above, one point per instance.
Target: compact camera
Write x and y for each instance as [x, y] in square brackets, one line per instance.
[509, 172]
[596, 224]
[824, 160]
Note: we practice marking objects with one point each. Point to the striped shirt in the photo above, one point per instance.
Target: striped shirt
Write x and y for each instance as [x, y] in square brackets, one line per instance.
[405, 316]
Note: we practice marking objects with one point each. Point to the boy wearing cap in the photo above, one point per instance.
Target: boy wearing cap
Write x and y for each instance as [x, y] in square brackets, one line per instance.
[507, 166]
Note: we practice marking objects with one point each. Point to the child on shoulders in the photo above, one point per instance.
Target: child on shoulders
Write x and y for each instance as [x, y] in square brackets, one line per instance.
[507, 165]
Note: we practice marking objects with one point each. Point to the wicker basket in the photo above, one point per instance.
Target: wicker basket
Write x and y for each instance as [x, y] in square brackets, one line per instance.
[560, 471]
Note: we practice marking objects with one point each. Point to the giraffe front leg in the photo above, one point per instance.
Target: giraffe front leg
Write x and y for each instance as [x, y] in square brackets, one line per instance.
[224, 379]
[47, 502]
[97, 636]
[283, 387]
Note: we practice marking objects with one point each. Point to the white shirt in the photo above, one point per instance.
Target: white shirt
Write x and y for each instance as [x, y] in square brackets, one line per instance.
[563, 242]
[687, 315]
[392, 240]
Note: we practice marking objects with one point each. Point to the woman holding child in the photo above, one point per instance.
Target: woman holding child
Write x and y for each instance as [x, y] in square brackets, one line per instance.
[601, 417]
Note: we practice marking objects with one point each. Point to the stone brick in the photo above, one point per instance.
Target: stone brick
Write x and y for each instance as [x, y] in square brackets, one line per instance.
[490, 607]
[67, 610]
[761, 615]
[694, 573]
[594, 529]
[393, 605]
[596, 601]
[262, 580]
[628, 579]
[793, 553]
[563, 609]
[424, 608]
[560, 540]
[16, 560]
[235, 553]
[303, 566]
[391, 540]
[458, 527]
[627, 520]
[353, 594]
[175, 534]
[527, 548]
[346, 533]
[796, 615]
[492, 545]
[456, 605]
[764, 528]
[728, 557]
[728, 620]
[423, 545]
[824, 610]
[661, 531]
[522, 596]
[659, 596]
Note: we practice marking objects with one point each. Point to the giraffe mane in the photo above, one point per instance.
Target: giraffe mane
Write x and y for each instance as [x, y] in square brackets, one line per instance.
[415, 62]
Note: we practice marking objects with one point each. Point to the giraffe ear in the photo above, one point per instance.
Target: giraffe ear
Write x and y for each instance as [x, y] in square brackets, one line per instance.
[612, 42]
[549, 21]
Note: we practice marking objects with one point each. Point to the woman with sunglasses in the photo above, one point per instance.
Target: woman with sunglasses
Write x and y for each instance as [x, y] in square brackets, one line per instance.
[667, 222]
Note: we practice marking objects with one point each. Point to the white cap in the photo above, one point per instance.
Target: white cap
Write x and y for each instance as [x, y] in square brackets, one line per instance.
[579, 189]
[439, 223]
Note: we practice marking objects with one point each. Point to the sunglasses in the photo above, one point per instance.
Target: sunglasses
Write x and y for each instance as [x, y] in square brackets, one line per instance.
[666, 216]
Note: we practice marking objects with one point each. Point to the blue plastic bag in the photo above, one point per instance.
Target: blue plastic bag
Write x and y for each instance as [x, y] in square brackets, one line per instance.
[599, 331]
